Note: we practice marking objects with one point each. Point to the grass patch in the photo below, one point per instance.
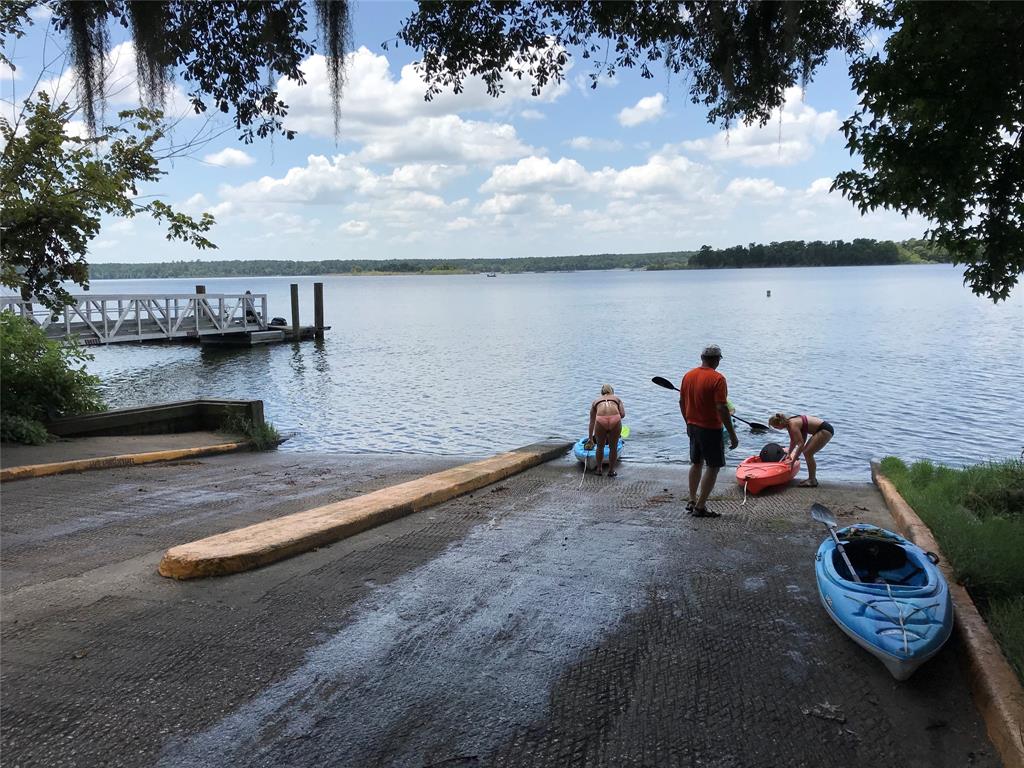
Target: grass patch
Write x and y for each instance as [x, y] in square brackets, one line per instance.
[263, 436]
[977, 516]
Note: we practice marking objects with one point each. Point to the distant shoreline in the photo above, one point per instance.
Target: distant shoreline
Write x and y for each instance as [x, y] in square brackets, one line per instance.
[792, 253]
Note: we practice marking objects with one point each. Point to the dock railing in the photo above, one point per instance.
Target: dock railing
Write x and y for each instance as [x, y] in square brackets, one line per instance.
[113, 318]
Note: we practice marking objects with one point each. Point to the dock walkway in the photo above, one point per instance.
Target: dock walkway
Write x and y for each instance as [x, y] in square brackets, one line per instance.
[529, 623]
[114, 318]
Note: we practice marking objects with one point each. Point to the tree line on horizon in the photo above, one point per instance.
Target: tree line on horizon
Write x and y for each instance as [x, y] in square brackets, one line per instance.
[790, 253]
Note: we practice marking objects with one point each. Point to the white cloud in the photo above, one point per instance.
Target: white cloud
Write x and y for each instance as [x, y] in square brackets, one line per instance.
[397, 124]
[647, 109]
[786, 140]
[531, 114]
[501, 205]
[229, 157]
[587, 143]
[664, 174]
[425, 175]
[344, 179]
[7, 73]
[539, 207]
[755, 189]
[536, 173]
[820, 186]
[356, 228]
[445, 139]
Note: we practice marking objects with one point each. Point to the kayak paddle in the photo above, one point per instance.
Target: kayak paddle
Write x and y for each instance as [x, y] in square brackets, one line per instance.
[823, 514]
[754, 426]
[664, 383]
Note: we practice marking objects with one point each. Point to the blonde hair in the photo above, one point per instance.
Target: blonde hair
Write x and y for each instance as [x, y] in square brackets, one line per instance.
[607, 389]
[778, 421]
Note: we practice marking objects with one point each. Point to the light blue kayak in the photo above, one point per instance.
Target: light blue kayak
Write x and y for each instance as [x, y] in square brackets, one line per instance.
[901, 612]
[590, 457]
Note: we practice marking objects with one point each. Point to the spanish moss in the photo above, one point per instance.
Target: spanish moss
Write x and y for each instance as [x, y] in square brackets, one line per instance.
[149, 22]
[335, 28]
[87, 28]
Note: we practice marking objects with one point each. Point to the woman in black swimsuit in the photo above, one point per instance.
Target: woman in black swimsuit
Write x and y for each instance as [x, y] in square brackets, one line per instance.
[807, 435]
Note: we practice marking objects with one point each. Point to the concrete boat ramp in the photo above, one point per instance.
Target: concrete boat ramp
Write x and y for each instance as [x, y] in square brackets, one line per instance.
[527, 623]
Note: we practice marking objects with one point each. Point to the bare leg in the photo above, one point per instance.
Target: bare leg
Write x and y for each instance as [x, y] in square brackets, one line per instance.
[613, 448]
[695, 470]
[707, 484]
[816, 443]
[600, 436]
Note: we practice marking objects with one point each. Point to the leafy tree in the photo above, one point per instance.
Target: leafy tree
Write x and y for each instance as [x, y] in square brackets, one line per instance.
[55, 188]
[40, 379]
[941, 112]
[939, 130]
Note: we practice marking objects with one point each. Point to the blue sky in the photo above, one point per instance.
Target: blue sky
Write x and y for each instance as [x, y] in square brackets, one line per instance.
[630, 167]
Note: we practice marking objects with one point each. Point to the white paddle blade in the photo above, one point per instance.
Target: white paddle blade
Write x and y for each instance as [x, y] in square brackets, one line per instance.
[823, 514]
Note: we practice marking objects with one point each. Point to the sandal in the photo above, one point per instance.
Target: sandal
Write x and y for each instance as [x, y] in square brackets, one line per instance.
[612, 474]
[808, 484]
[690, 506]
[705, 512]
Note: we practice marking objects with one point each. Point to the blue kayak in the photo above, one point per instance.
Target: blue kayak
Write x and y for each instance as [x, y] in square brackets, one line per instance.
[590, 457]
[901, 612]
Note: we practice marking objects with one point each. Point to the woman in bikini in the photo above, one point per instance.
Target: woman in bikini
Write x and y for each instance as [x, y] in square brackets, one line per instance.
[606, 414]
[807, 435]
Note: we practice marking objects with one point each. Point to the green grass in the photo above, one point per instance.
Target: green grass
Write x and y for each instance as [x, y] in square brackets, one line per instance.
[977, 516]
[263, 436]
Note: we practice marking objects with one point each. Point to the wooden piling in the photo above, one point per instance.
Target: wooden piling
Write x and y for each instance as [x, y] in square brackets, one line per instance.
[296, 330]
[318, 310]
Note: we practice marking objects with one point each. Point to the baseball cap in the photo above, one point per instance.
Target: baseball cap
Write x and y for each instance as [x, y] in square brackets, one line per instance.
[711, 350]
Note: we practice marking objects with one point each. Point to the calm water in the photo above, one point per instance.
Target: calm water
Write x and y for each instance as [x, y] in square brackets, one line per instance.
[902, 360]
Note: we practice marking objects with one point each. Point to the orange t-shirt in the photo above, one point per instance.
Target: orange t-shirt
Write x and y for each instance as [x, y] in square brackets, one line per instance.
[701, 391]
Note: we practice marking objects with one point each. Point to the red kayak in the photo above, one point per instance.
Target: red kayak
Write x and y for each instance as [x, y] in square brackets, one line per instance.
[757, 475]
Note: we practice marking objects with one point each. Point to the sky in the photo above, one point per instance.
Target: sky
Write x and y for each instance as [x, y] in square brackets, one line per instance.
[630, 167]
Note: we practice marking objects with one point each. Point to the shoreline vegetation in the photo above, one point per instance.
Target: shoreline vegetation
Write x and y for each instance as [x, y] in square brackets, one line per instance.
[790, 253]
[977, 516]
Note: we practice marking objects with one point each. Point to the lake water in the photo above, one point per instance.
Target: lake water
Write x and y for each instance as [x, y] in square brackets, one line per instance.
[902, 360]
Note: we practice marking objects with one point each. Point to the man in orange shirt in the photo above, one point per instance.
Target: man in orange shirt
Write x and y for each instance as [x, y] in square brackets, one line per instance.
[703, 401]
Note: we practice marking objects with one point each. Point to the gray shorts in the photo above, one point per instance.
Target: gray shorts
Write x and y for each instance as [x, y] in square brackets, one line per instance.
[706, 445]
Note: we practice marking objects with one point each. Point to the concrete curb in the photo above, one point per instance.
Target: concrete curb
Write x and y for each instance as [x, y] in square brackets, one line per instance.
[107, 462]
[272, 540]
[996, 690]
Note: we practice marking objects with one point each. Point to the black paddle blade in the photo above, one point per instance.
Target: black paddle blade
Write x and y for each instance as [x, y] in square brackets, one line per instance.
[823, 514]
[661, 382]
[754, 426]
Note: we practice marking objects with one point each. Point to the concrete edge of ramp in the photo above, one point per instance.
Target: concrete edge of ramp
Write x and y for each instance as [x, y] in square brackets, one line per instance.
[122, 460]
[996, 690]
[245, 548]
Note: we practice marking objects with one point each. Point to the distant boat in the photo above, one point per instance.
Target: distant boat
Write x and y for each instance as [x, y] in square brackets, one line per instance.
[491, 274]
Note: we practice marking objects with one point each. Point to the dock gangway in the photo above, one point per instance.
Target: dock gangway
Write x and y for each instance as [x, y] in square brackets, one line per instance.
[114, 318]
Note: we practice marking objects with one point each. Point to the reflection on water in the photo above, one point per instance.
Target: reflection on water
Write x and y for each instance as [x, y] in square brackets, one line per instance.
[902, 360]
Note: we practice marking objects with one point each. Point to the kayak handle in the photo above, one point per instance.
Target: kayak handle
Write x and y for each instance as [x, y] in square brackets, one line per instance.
[933, 557]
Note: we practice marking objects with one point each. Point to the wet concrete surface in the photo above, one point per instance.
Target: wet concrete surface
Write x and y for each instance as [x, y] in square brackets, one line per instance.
[531, 623]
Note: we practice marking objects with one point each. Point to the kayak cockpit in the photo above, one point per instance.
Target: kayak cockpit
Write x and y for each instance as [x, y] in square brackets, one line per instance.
[878, 560]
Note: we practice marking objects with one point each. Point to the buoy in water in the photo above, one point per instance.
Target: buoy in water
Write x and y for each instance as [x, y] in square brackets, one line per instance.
[769, 294]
